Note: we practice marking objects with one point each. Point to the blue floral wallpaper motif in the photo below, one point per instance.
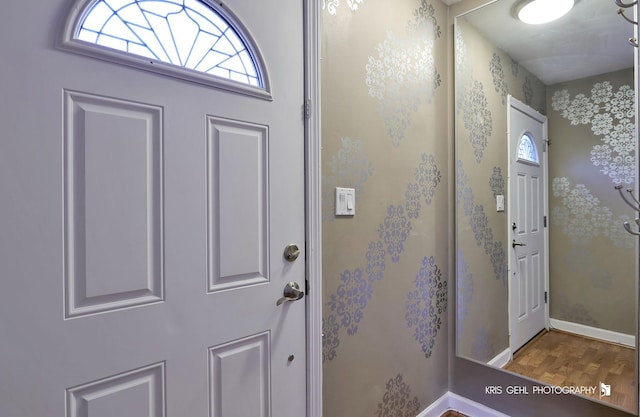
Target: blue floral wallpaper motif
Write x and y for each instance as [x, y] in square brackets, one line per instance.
[404, 73]
[413, 204]
[464, 193]
[331, 337]
[349, 302]
[428, 176]
[497, 73]
[498, 260]
[426, 304]
[394, 231]
[479, 222]
[351, 299]
[349, 167]
[463, 68]
[515, 67]
[477, 119]
[331, 6]
[497, 182]
[397, 401]
[582, 218]
[611, 115]
[480, 225]
[376, 261]
[351, 162]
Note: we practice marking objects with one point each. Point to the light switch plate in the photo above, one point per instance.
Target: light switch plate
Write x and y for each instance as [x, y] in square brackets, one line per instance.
[345, 201]
[499, 202]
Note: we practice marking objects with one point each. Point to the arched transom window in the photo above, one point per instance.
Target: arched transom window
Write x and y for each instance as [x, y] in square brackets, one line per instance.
[527, 151]
[185, 33]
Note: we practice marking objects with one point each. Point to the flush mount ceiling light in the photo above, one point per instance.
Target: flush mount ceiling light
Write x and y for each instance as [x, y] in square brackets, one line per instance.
[535, 12]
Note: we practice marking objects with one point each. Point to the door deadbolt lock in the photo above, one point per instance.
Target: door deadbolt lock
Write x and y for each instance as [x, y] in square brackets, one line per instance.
[291, 252]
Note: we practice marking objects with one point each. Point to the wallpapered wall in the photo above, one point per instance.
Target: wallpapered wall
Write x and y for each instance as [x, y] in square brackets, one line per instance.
[592, 133]
[485, 76]
[385, 270]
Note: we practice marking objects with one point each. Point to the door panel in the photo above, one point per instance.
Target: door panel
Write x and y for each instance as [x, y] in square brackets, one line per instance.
[536, 281]
[140, 391]
[113, 204]
[238, 207]
[143, 223]
[239, 378]
[522, 289]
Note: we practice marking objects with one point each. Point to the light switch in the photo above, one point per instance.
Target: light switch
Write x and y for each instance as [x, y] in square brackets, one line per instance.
[499, 202]
[345, 201]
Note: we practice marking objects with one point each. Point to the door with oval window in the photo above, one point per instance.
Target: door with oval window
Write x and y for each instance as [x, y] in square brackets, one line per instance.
[527, 213]
[152, 174]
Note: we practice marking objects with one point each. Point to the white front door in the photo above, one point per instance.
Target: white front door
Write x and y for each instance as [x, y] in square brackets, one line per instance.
[527, 262]
[142, 229]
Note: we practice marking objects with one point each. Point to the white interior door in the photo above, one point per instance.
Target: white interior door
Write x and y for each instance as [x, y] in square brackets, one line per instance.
[527, 210]
[142, 230]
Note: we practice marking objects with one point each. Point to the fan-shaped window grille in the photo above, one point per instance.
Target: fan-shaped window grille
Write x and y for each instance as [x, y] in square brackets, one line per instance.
[527, 151]
[185, 33]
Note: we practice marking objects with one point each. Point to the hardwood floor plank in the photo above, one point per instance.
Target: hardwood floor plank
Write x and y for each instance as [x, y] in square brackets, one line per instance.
[565, 359]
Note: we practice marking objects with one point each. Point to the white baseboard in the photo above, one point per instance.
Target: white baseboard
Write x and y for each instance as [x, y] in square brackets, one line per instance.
[501, 359]
[594, 332]
[451, 401]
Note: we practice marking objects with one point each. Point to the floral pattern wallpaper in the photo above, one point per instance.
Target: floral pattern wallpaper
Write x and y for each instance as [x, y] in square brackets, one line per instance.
[485, 77]
[592, 132]
[611, 116]
[385, 270]
[403, 73]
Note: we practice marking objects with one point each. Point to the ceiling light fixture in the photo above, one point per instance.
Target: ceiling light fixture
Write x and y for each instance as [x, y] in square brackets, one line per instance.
[536, 12]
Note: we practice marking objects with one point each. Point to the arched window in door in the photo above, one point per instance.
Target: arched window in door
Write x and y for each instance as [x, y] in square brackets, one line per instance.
[527, 151]
[193, 35]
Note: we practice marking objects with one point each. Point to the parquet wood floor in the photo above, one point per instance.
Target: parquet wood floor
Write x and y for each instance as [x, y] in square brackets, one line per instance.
[565, 359]
[453, 414]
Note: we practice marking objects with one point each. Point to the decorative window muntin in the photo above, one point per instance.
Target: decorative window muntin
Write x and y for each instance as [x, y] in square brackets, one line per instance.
[169, 36]
[527, 151]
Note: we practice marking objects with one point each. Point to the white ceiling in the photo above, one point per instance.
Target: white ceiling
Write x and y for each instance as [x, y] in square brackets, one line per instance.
[591, 39]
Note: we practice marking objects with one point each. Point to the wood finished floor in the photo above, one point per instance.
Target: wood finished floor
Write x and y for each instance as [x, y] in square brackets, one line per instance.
[453, 414]
[565, 359]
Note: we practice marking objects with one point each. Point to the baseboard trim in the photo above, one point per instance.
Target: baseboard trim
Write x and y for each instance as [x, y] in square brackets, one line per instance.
[454, 402]
[593, 332]
[501, 359]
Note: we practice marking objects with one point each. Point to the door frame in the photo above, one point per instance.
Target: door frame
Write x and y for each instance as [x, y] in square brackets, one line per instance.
[313, 206]
[520, 106]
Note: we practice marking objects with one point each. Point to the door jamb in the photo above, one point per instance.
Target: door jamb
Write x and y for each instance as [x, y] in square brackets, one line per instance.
[313, 206]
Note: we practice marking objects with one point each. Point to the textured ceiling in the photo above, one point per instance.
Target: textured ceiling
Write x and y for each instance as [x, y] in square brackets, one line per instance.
[591, 39]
